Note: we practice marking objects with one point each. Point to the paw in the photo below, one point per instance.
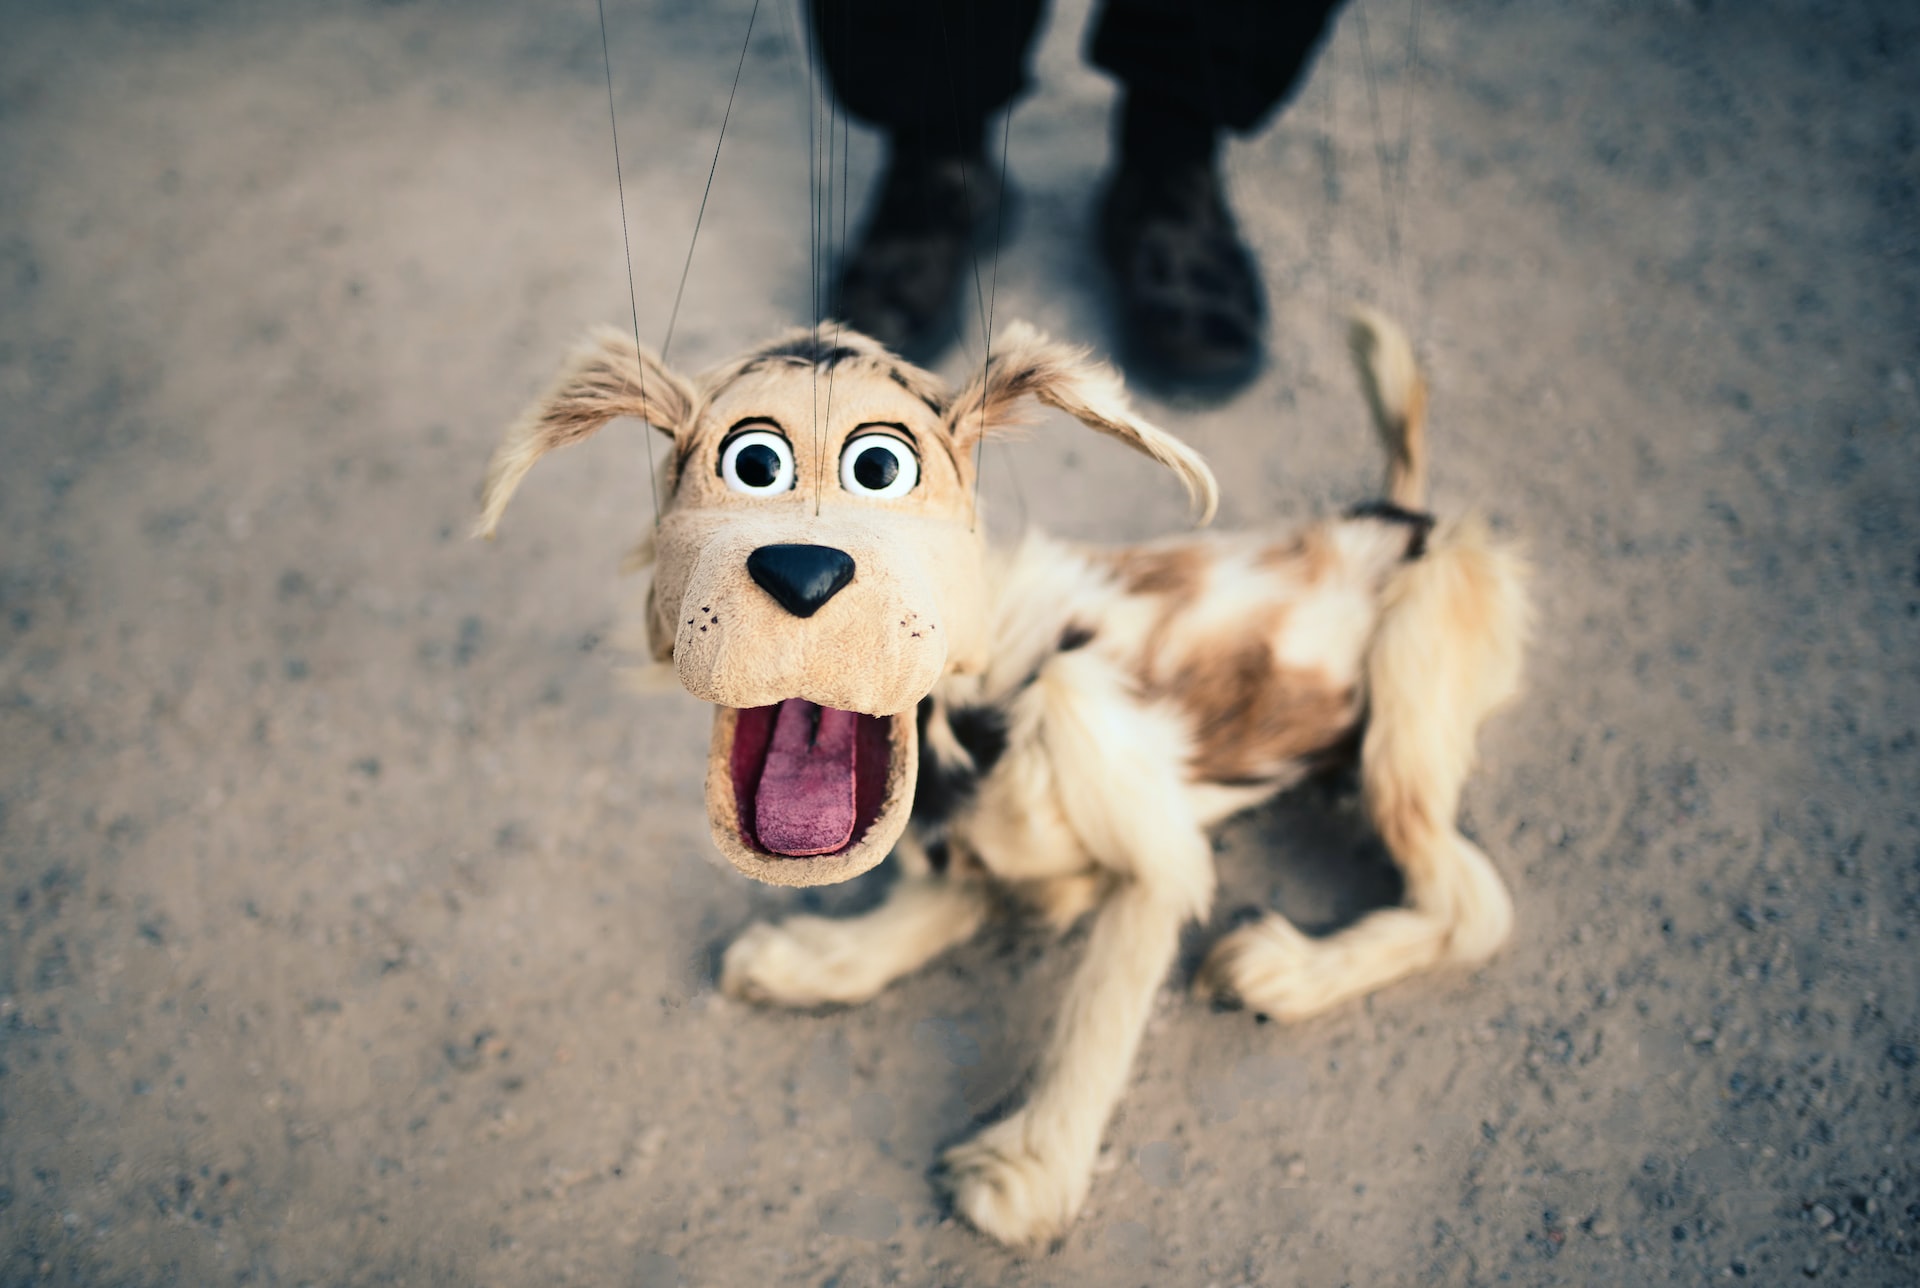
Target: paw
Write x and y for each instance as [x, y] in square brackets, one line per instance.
[807, 961]
[1013, 1191]
[1272, 968]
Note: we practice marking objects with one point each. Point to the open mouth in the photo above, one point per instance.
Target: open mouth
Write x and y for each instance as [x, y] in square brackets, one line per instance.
[807, 778]
[801, 794]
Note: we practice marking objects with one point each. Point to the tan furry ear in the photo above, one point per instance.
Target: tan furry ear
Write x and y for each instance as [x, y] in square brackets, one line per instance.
[606, 376]
[1027, 363]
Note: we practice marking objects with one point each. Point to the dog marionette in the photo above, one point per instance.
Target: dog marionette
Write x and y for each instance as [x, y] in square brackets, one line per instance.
[1060, 722]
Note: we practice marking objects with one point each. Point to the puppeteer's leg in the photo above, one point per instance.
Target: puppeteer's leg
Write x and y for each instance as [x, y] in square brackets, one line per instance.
[1191, 71]
[1446, 652]
[929, 74]
[1223, 64]
[811, 961]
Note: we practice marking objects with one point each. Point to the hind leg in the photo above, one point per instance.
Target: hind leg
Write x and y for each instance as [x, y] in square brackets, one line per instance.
[1462, 915]
[1446, 653]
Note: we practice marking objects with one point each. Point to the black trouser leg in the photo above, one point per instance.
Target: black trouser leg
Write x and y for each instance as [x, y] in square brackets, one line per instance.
[929, 72]
[1191, 69]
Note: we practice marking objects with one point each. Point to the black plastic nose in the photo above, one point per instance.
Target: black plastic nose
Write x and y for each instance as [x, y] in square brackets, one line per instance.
[801, 577]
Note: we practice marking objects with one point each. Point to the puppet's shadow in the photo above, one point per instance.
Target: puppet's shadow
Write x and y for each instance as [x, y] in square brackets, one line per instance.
[1309, 854]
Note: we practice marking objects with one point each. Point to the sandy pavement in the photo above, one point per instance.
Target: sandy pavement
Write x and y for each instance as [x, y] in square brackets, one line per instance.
[359, 926]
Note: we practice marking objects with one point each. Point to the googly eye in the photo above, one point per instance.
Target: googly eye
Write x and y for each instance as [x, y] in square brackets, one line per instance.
[879, 466]
[757, 463]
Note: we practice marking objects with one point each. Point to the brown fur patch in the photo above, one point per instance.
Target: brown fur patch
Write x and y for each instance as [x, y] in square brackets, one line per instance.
[1179, 572]
[1250, 716]
[1176, 574]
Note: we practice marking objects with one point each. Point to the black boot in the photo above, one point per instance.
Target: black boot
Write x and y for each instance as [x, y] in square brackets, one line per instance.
[903, 280]
[1189, 291]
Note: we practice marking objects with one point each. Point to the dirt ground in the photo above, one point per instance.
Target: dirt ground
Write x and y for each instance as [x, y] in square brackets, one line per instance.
[359, 925]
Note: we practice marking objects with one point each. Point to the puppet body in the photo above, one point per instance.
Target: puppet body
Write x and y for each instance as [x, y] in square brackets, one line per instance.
[1058, 723]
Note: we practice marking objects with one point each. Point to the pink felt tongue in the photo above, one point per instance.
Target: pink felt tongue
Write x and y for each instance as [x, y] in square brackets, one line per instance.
[805, 802]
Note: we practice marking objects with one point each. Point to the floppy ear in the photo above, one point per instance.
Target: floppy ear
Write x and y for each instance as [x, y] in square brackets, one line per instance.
[1065, 376]
[606, 376]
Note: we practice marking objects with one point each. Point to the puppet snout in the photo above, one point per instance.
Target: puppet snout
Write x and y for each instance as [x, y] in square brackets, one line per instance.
[846, 617]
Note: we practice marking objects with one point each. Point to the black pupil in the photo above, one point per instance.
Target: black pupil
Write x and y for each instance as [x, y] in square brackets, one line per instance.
[876, 468]
[757, 465]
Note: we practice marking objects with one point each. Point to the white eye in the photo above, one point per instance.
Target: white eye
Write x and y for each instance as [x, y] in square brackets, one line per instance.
[758, 463]
[879, 466]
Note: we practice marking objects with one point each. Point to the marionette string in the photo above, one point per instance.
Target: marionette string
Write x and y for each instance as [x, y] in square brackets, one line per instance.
[633, 298]
[1393, 170]
[626, 240]
[829, 140]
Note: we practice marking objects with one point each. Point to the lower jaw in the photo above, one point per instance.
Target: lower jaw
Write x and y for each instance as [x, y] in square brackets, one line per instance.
[888, 752]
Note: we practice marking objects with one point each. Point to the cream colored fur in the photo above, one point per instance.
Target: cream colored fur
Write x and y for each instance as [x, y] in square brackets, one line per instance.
[1446, 652]
[809, 961]
[1139, 696]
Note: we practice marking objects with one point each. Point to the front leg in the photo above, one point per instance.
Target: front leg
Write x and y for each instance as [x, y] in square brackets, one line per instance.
[811, 961]
[1123, 797]
[1024, 1179]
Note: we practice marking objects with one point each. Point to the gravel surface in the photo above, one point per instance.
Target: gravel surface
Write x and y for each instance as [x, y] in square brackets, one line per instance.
[359, 924]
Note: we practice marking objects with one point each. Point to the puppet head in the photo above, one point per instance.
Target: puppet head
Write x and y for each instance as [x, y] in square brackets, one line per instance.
[818, 566]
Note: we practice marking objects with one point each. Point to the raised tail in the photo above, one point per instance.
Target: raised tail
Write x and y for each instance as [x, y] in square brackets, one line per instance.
[1397, 396]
